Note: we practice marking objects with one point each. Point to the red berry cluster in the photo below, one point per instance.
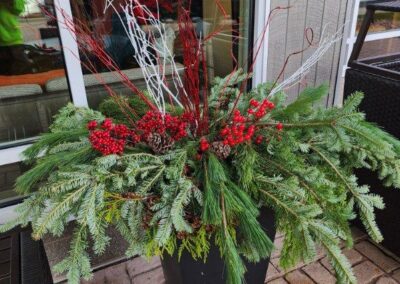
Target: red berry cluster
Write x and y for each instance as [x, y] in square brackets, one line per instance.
[154, 122]
[237, 132]
[108, 138]
[259, 109]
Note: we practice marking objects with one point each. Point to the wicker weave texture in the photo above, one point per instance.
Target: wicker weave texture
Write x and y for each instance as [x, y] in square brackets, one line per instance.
[382, 98]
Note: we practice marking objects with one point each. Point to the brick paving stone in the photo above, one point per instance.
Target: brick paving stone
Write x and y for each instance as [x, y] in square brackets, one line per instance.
[151, 277]
[377, 256]
[276, 281]
[321, 253]
[140, 265]
[272, 273]
[386, 280]
[99, 277]
[298, 277]
[358, 234]
[319, 273]
[117, 274]
[278, 244]
[353, 256]
[275, 262]
[396, 275]
[366, 272]
[327, 264]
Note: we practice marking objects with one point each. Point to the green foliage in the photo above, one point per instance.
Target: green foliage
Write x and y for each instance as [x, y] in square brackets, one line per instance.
[304, 173]
[110, 108]
[65, 145]
[119, 108]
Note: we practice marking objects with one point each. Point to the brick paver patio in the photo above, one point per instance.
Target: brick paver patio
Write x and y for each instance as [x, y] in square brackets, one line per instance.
[371, 264]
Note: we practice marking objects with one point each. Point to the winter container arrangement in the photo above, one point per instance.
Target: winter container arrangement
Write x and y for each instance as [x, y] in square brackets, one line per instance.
[203, 177]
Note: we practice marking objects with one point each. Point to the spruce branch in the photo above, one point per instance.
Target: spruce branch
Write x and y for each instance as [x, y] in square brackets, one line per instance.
[366, 208]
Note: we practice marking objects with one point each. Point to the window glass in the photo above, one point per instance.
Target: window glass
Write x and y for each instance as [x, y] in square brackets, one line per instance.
[8, 175]
[32, 76]
[381, 47]
[231, 20]
[383, 20]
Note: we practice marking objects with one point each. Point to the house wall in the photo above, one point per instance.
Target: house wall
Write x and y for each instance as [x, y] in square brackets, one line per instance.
[287, 36]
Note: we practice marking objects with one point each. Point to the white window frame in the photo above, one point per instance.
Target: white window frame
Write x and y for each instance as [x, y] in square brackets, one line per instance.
[261, 14]
[349, 39]
[71, 56]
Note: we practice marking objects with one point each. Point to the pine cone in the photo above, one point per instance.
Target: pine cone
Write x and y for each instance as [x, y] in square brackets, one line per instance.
[221, 150]
[196, 223]
[130, 195]
[160, 144]
[210, 229]
[182, 235]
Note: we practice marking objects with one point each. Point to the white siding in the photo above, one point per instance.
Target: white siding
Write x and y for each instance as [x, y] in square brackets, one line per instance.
[287, 35]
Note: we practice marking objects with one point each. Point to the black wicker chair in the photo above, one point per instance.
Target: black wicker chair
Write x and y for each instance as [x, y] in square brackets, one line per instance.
[379, 79]
[23, 260]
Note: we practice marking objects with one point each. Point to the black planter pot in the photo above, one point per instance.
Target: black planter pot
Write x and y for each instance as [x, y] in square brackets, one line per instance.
[190, 271]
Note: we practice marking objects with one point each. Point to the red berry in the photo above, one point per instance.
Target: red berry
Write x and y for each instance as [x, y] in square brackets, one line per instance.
[204, 145]
[92, 125]
[259, 139]
[107, 124]
[254, 103]
[279, 126]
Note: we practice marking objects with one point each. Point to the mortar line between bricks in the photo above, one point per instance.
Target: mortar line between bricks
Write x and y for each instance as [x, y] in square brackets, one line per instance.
[127, 272]
[388, 276]
[371, 260]
[300, 270]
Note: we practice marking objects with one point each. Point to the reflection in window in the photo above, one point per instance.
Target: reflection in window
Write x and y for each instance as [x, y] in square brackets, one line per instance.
[30, 63]
[8, 175]
[380, 47]
[108, 29]
[383, 20]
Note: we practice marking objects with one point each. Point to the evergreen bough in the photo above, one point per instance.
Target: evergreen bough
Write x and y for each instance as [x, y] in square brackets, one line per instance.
[305, 174]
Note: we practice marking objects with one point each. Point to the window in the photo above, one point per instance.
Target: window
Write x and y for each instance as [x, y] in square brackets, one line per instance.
[8, 175]
[380, 47]
[383, 21]
[31, 70]
[108, 27]
[384, 34]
